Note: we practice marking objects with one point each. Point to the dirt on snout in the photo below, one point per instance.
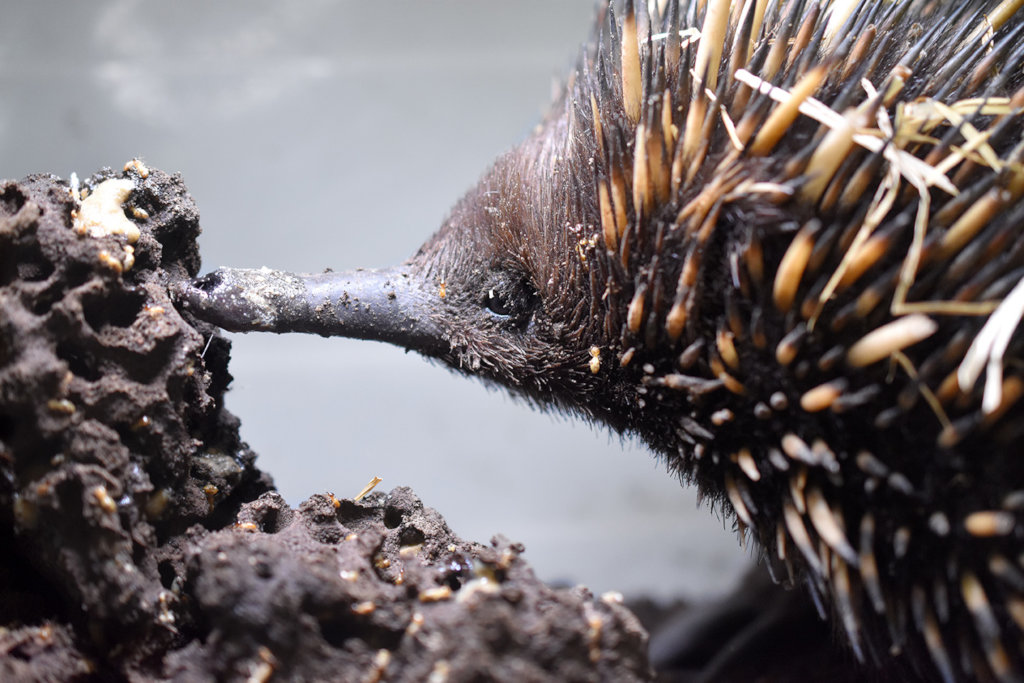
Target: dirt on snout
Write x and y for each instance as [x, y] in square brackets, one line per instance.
[138, 539]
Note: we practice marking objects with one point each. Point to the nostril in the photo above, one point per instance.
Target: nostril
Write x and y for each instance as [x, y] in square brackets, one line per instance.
[208, 282]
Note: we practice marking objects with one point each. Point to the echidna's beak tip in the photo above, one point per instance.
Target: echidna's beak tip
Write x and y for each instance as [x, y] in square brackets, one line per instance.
[194, 295]
[225, 299]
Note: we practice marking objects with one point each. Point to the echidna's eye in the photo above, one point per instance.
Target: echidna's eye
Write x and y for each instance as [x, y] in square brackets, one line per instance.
[509, 298]
[499, 303]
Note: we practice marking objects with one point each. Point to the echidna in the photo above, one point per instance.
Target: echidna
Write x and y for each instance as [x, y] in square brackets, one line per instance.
[781, 242]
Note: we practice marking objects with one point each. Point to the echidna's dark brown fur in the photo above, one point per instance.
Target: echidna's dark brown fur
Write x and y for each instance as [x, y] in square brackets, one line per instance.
[782, 301]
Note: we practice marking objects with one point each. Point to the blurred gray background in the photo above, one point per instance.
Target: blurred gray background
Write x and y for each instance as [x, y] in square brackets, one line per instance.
[330, 133]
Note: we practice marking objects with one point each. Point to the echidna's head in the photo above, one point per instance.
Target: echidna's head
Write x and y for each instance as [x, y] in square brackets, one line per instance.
[508, 280]
[513, 288]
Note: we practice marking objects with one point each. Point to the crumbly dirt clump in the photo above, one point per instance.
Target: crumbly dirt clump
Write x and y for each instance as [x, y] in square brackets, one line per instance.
[138, 541]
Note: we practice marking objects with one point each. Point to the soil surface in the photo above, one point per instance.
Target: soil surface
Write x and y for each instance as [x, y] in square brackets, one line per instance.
[140, 541]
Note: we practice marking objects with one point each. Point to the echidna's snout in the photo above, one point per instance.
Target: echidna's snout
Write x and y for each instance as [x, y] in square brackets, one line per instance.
[386, 305]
